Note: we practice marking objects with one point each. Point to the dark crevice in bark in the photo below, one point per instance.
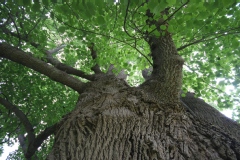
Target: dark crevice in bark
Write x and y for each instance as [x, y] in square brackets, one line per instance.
[126, 124]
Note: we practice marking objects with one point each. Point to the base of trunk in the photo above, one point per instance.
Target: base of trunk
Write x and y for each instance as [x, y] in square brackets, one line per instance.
[114, 121]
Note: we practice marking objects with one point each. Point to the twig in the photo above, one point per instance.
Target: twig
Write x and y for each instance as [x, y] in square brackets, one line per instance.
[92, 32]
[170, 17]
[125, 19]
[19, 39]
[203, 39]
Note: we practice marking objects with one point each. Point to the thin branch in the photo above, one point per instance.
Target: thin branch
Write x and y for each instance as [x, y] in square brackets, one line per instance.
[204, 39]
[22, 117]
[96, 67]
[170, 17]
[64, 67]
[108, 36]
[14, 23]
[220, 32]
[38, 21]
[8, 32]
[201, 28]
[76, 15]
[29, 61]
[33, 142]
[6, 141]
[115, 21]
[19, 40]
[125, 19]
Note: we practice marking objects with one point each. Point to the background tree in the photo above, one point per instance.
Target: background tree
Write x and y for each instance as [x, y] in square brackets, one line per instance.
[69, 79]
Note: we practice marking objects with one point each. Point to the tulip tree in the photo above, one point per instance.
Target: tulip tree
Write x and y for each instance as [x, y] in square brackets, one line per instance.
[120, 80]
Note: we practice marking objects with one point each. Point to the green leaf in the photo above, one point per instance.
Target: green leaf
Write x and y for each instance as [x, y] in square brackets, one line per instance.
[156, 33]
[36, 7]
[171, 2]
[151, 5]
[163, 27]
[170, 29]
[235, 43]
[45, 2]
[61, 29]
[100, 20]
[165, 17]
[227, 3]
[27, 2]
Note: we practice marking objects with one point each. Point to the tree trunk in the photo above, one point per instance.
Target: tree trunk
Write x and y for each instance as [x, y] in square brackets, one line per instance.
[115, 121]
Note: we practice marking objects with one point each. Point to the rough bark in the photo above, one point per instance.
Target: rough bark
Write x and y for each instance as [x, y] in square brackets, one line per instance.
[166, 80]
[115, 121]
[205, 112]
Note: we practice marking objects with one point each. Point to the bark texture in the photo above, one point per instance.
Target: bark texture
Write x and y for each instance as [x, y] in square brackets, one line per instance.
[166, 80]
[114, 121]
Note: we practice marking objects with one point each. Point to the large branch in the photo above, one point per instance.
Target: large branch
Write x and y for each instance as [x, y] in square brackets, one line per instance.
[70, 70]
[205, 112]
[19, 56]
[32, 148]
[33, 142]
[64, 67]
[56, 63]
[22, 117]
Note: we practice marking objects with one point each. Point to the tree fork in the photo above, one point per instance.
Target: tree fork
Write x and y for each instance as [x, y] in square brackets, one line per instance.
[166, 79]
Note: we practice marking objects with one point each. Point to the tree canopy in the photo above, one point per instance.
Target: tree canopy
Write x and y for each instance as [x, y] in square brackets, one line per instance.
[206, 34]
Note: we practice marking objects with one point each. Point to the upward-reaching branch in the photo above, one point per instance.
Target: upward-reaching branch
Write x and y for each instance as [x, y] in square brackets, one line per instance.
[64, 67]
[50, 59]
[22, 117]
[32, 148]
[29, 147]
[19, 56]
[96, 67]
[166, 79]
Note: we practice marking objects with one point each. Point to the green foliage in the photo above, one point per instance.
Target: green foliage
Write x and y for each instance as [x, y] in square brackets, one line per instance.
[211, 62]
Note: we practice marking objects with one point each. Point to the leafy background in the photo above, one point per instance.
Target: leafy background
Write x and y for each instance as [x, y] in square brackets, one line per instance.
[206, 34]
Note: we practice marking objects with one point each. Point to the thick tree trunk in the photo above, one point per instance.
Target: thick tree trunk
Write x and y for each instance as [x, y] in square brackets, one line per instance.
[114, 121]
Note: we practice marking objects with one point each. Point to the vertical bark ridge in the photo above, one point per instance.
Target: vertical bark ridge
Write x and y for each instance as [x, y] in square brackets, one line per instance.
[116, 122]
[166, 78]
